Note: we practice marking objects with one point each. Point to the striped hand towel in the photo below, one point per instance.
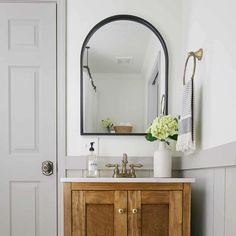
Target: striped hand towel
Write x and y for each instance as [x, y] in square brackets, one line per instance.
[186, 137]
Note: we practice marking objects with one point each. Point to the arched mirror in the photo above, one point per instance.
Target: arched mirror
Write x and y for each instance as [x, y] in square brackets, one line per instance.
[124, 77]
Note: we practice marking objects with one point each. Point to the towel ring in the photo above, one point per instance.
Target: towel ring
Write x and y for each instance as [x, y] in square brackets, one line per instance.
[196, 55]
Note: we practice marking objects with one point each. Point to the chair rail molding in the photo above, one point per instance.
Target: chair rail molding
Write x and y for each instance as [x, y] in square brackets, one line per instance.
[220, 156]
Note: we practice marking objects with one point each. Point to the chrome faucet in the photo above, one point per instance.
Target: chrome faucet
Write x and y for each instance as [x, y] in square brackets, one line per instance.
[125, 173]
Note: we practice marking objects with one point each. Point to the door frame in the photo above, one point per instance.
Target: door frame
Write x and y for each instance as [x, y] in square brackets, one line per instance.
[60, 100]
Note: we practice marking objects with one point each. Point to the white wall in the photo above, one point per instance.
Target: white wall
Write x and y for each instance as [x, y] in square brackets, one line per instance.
[210, 24]
[165, 15]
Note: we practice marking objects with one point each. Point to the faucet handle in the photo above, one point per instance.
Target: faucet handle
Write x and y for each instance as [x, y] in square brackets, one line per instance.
[116, 170]
[112, 165]
[132, 170]
[135, 165]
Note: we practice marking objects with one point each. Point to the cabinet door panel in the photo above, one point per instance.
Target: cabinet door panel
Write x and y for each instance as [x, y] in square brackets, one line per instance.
[134, 220]
[99, 220]
[78, 213]
[175, 213]
[159, 213]
[96, 213]
[155, 213]
[155, 220]
[120, 220]
[154, 197]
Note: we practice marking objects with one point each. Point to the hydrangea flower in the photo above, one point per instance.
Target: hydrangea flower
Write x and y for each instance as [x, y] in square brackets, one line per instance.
[107, 123]
[163, 128]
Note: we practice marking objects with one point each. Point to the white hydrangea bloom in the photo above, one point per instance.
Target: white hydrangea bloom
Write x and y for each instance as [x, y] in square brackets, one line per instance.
[107, 123]
[164, 127]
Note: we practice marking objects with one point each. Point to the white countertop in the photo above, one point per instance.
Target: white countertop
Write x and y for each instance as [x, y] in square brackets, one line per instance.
[128, 180]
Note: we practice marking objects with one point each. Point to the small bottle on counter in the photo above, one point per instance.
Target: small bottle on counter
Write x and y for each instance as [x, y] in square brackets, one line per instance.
[92, 162]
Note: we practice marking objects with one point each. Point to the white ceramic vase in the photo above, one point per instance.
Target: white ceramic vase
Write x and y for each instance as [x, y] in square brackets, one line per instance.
[162, 163]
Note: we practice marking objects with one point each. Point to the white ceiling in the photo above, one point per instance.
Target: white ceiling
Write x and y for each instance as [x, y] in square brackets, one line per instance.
[120, 39]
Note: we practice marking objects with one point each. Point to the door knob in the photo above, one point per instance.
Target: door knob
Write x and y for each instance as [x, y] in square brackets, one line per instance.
[47, 168]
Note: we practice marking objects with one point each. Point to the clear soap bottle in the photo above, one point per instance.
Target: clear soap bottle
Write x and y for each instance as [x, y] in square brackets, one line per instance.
[92, 162]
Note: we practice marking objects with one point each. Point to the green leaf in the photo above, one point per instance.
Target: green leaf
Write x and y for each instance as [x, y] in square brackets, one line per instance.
[150, 138]
[174, 137]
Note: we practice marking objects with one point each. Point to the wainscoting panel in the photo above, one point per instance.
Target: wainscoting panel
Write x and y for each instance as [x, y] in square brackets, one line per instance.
[202, 201]
[219, 202]
[230, 202]
[213, 201]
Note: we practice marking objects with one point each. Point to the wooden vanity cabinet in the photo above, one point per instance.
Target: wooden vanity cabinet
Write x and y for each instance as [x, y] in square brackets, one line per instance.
[127, 209]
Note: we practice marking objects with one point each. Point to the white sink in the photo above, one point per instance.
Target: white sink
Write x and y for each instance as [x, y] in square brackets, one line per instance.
[128, 180]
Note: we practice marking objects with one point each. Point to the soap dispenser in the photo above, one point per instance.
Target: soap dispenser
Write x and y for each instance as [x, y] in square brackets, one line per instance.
[92, 162]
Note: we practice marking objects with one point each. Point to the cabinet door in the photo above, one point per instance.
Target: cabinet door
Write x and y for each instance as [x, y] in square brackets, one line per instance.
[99, 213]
[155, 213]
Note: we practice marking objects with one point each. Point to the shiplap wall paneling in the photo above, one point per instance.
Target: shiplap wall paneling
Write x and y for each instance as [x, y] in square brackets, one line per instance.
[230, 202]
[202, 201]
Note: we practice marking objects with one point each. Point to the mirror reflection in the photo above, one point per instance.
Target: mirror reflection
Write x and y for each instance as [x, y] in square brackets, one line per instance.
[123, 79]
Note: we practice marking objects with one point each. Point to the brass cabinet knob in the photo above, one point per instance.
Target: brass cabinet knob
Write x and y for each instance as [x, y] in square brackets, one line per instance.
[135, 211]
[121, 211]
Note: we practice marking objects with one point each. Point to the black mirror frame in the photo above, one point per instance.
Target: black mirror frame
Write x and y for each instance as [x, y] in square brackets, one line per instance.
[90, 34]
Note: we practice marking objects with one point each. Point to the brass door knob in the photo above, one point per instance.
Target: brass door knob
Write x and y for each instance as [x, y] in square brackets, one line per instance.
[135, 211]
[121, 211]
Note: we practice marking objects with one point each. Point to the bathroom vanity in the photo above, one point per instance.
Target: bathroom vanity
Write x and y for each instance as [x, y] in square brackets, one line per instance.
[127, 206]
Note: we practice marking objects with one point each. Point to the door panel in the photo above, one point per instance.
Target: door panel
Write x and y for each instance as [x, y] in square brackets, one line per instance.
[23, 196]
[23, 109]
[27, 118]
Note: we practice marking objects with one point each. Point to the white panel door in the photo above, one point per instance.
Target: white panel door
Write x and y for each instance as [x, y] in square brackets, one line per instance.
[27, 119]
